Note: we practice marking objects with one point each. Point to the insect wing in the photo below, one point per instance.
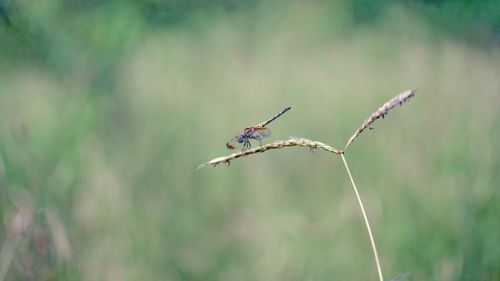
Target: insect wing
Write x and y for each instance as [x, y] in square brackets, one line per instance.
[263, 132]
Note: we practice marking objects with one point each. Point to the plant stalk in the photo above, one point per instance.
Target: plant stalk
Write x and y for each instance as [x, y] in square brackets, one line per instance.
[374, 247]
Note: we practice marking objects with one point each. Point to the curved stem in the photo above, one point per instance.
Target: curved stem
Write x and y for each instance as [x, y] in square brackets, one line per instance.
[374, 247]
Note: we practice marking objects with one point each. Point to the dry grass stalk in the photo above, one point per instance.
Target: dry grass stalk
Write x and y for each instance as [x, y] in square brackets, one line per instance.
[313, 145]
[381, 113]
[59, 235]
[365, 217]
[16, 228]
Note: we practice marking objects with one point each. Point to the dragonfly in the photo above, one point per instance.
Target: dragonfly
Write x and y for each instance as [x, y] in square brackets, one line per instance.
[256, 132]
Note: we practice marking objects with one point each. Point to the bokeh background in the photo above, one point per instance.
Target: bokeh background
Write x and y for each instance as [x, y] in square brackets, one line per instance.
[108, 107]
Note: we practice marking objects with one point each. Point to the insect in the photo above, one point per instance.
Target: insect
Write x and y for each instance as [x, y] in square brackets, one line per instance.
[256, 132]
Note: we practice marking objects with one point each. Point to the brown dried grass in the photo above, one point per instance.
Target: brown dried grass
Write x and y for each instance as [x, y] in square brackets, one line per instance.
[313, 146]
[381, 113]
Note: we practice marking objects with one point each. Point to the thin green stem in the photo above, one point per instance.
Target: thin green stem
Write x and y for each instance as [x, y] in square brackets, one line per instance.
[374, 247]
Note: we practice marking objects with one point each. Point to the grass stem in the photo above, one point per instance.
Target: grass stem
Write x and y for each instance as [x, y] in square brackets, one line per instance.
[381, 112]
[374, 247]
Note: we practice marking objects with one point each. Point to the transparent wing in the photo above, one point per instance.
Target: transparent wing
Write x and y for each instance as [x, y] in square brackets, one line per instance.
[263, 132]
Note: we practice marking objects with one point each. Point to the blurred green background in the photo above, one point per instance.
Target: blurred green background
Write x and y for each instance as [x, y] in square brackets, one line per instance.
[108, 107]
